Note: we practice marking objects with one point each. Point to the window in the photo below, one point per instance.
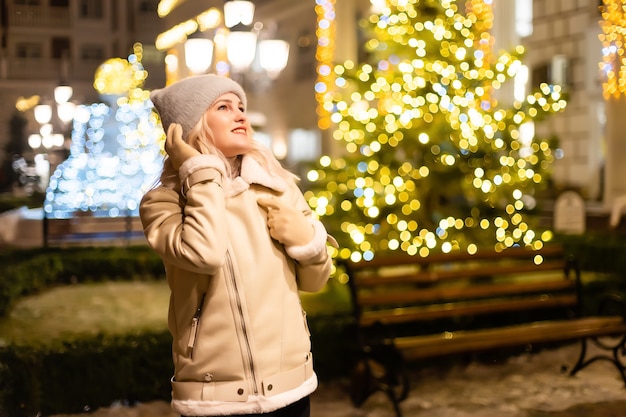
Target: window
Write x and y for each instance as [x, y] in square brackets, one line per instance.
[524, 17]
[152, 55]
[115, 16]
[59, 3]
[147, 6]
[60, 47]
[556, 71]
[304, 145]
[540, 74]
[305, 56]
[92, 52]
[91, 9]
[28, 50]
[520, 83]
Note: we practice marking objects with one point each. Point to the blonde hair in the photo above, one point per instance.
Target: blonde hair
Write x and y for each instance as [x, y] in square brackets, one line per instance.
[201, 138]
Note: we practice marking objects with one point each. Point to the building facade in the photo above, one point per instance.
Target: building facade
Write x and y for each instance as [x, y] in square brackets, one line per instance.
[46, 42]
[564, 46]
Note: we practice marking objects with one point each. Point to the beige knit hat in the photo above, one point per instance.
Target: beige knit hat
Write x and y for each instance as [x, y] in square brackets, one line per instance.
[185, 101]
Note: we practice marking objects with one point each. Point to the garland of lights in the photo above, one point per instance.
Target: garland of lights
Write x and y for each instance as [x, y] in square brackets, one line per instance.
[480, 12]
[326, 29]
[613, 39]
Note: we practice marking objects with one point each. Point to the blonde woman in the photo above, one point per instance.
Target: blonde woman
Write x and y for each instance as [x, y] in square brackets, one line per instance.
[238, 242]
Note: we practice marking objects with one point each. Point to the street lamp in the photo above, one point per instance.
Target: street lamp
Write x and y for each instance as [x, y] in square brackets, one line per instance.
[240, 47]
[238, 12]
[198, 53]
[51, 141]
[43, 115]
[65, 108]
[63, 93]
[273, 55]
[241, 43]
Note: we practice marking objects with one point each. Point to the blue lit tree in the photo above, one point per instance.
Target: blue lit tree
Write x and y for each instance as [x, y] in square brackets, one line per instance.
[115, 154]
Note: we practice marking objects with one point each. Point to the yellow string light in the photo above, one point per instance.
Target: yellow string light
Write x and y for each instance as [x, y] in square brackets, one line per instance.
[326, 30]
[166, 6]
[613, 65]
[481, 14]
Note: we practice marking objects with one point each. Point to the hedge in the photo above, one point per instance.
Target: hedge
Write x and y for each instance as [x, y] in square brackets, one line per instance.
[88, 372]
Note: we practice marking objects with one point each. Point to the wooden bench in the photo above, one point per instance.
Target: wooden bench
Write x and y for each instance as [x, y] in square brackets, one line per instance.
[89, 230]
[409, 308]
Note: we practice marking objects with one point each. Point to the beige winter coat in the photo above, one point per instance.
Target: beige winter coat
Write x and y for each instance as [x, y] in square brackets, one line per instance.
[240, 338]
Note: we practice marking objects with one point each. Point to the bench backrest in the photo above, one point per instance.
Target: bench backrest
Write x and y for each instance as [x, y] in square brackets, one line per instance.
[393, 290]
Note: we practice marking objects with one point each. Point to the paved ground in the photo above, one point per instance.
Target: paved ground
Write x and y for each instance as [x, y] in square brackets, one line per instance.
[528, 385]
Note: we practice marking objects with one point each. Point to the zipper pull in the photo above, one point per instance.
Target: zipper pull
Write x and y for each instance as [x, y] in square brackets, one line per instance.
[192, 334]
[194, 325]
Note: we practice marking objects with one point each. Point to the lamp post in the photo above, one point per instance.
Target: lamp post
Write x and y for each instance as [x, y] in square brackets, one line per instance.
[198, 53]
[49, 146]
[242, 40]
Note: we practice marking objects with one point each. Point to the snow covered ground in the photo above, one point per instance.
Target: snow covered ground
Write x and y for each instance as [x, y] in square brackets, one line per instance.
[528, 385]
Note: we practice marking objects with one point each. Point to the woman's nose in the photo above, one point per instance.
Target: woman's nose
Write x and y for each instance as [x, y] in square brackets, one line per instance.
[241, 115]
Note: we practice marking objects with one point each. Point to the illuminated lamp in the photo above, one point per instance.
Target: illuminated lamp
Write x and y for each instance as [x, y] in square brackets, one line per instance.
[198, 53]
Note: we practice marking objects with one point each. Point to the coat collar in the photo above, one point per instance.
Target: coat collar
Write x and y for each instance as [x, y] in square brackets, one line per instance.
[253, 173]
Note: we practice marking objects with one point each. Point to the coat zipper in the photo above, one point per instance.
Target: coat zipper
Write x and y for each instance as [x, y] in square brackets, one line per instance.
[244, 328]
[194, 326]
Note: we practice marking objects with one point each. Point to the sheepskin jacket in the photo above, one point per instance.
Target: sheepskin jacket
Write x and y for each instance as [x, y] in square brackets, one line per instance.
[240, 339]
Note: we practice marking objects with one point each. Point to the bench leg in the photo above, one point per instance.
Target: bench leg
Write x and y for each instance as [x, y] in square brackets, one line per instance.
[380, 370]
[396, 406]
[362, 383]
[617, 349]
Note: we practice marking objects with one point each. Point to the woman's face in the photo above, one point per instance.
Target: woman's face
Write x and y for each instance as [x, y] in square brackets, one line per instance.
[229, 124]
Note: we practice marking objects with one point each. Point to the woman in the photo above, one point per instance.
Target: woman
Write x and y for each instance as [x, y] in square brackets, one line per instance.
[238, 242]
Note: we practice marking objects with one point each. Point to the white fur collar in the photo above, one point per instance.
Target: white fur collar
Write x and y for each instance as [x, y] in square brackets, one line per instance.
[253, 173]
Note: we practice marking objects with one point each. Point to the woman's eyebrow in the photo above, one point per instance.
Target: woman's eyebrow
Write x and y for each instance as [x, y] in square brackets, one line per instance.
[225, 100]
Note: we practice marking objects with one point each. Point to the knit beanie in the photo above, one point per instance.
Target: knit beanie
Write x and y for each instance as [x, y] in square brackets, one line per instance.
[185, 101]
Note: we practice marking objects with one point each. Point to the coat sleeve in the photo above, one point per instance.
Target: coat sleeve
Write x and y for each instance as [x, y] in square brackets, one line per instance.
[188, 229]
[313, 263]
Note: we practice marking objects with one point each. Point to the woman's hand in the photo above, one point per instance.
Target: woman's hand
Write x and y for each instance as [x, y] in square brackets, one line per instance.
[177, 149]
[287, 224]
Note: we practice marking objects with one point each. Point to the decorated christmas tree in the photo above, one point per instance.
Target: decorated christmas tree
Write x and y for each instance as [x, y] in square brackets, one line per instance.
[432, 161]
[115, 155]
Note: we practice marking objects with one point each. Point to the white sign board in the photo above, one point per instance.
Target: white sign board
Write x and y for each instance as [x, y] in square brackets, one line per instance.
[569, 213]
